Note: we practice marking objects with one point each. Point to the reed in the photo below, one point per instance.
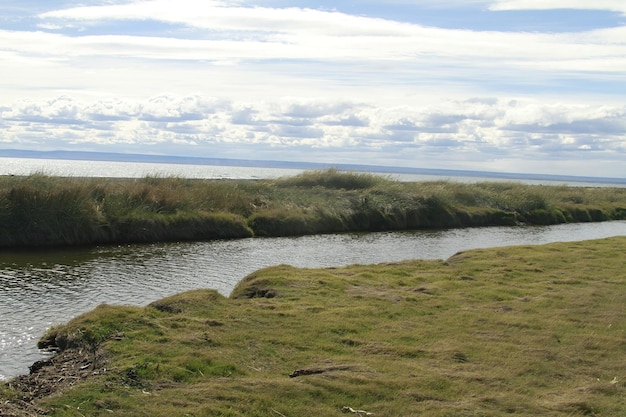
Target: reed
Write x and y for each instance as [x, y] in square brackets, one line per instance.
[40, 210]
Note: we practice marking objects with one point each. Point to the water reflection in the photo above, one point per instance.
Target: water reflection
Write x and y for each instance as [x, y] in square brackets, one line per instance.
[39, 289]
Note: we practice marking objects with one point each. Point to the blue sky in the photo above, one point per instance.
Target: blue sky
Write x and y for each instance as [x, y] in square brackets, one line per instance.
[533, 86]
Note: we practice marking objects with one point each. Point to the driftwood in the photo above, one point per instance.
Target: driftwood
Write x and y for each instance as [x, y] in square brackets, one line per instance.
[318, 370]
[359, 412]
[47, 377]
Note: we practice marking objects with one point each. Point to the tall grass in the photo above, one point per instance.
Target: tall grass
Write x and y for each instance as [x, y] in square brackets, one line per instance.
[38, 212]
[334, 179]
[42, 210]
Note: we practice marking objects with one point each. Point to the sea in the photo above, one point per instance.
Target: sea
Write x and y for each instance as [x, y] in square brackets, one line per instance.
[139, 166]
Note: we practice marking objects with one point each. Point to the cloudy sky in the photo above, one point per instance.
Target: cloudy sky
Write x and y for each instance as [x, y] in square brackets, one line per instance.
[531, 86]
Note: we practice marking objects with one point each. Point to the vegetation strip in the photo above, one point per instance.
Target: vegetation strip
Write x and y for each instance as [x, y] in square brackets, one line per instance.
[39, 210]
[522, 331]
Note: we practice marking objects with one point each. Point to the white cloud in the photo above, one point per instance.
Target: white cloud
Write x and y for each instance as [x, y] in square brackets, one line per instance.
[479, 129]
[297, 83]
[610, 5]
[292, 33]
[434, 4]
[363, 58]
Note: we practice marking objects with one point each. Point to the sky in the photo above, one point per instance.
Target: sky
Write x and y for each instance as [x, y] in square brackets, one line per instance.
[526, 86]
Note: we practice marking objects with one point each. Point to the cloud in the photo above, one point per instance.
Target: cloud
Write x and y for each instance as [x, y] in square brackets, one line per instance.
[262, 80]
[244, 116]
[598, 127]
[268, 53]
[110, 110]
[166, 108]
[313, 109]
[61, 110]
[480, 126]
[350, 120]
[610, 5]
[439, 4]
[297, 33]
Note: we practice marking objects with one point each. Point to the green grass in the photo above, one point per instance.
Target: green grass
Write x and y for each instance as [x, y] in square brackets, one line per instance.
[39, 210]
[522, 331]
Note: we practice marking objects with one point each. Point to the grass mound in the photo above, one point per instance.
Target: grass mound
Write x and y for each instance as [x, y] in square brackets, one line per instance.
[523, 331]
[334, 179]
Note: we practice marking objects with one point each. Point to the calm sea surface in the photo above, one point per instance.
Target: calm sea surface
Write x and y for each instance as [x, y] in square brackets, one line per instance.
[60, 167]
[42, 288]
[78, 168]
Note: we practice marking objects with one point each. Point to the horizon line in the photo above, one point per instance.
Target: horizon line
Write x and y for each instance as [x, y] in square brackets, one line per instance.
[215, 161]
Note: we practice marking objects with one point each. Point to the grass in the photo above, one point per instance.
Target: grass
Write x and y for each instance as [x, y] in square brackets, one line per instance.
[39, 210]
[521, 331]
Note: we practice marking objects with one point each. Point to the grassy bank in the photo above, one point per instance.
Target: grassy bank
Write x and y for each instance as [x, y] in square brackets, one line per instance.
[39, 210]
[522, 331]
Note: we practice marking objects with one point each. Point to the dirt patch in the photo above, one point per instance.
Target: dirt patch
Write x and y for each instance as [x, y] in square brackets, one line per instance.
[47, 377]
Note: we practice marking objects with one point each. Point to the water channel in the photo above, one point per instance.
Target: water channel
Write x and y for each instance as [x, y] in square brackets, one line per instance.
[43, 288]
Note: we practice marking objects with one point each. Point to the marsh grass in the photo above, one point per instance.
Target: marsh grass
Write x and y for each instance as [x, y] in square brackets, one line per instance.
[334, 179]
[40, 210]
[524, 331]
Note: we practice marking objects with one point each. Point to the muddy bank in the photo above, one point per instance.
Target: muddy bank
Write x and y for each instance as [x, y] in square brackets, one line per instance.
[49, 377]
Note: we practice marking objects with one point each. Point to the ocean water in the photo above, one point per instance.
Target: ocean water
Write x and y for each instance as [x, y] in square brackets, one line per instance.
[119, 169]
[114, 169]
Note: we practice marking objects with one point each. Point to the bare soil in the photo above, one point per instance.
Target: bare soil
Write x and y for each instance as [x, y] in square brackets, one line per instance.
[47, 378]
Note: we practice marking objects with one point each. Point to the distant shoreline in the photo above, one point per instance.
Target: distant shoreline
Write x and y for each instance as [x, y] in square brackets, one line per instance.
[379, 169]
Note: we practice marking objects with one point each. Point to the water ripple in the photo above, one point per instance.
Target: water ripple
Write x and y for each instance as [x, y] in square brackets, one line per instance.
[41, 289]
